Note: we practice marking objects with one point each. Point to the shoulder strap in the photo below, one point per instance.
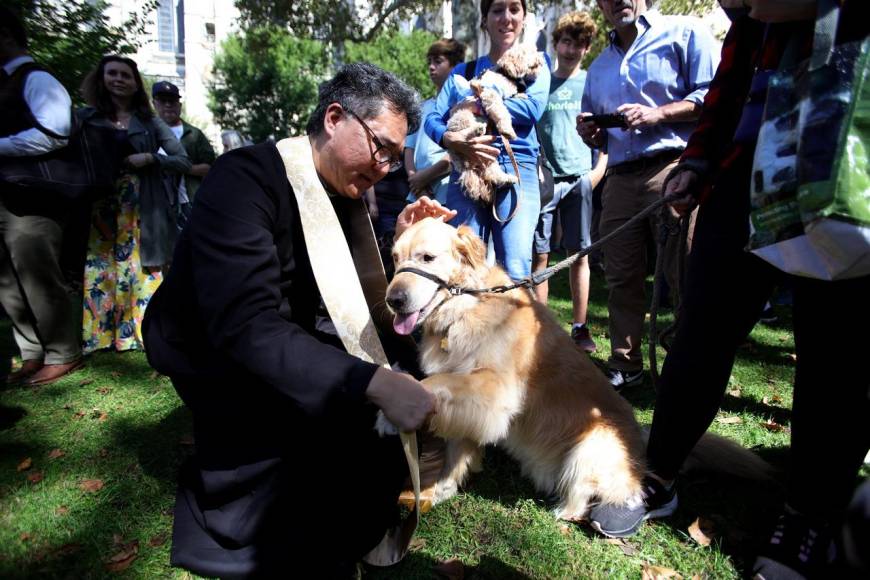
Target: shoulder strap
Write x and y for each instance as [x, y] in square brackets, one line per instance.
[345, 300]
[470, 67]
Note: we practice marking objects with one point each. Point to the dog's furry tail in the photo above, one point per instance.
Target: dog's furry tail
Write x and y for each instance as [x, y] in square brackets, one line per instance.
[717, 454]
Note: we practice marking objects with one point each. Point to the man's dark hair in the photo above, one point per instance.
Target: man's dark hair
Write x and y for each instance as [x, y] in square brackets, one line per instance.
[365, 89]
[12, 23]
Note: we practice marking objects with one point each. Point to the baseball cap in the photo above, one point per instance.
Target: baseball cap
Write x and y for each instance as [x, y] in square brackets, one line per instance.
[165, 89]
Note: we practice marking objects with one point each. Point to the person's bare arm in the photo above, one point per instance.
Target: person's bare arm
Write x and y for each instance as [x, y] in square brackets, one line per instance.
[199, 169]
[421, 180]
[597, 173]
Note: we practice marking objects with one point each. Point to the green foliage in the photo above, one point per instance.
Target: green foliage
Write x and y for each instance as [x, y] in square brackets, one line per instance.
[331, 20]
[402, 54]
[265, 82]
[70, 37]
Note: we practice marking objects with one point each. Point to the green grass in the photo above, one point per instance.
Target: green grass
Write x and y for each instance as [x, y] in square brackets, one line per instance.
[120, 423]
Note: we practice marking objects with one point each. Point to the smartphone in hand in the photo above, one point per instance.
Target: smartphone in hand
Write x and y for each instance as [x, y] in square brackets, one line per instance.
[608, 121]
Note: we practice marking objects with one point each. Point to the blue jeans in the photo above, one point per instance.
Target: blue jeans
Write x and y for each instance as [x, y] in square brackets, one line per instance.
[512, 240]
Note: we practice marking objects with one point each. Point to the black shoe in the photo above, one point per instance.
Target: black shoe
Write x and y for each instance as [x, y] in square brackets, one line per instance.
[621, 521]
[798, 549]
[621, 379]
[581, 337]
[768, 316]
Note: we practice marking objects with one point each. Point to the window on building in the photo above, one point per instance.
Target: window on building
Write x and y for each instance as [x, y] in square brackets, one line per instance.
[170, 26]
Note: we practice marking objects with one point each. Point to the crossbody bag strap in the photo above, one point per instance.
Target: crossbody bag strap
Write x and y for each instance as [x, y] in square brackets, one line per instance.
[345, 300]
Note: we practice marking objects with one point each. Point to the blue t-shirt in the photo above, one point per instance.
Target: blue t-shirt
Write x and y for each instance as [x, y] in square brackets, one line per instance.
[525, 112]
[427, 153]
[566, 153]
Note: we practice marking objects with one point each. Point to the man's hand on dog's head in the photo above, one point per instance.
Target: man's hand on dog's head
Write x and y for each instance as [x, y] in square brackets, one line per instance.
[422, 208]
[403, 399]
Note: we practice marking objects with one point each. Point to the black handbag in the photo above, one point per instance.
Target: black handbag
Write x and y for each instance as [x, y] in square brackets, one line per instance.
[86, 165]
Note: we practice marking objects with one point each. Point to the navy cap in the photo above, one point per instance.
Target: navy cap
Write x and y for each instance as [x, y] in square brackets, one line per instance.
[165, 88]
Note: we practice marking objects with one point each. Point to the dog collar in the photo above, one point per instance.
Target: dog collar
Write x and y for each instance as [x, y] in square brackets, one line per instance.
[455, 290]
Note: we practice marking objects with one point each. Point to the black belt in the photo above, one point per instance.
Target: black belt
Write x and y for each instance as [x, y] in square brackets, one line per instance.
[644, 162]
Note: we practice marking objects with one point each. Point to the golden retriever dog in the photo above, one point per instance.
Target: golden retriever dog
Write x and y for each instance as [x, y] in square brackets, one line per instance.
[504, 372]
[519, 64]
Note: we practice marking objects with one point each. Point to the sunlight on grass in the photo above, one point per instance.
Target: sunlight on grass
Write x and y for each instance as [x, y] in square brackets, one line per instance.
[120, 423]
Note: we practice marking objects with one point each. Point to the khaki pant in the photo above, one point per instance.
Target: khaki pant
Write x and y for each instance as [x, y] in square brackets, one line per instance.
[624, 196]
[32, 287]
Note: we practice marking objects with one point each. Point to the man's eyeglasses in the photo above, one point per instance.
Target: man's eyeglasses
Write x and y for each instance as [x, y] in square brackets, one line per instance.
[382, 154]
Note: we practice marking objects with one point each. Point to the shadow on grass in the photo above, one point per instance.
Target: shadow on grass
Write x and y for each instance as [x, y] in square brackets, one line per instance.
[417, 565]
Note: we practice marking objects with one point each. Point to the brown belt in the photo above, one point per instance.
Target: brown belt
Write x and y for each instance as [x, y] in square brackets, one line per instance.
[643, 163]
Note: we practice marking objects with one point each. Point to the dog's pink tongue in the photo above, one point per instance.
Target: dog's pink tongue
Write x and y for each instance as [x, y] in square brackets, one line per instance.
[405, 323]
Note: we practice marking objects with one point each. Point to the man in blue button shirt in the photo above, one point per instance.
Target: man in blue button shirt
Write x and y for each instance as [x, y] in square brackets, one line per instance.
[656, 72]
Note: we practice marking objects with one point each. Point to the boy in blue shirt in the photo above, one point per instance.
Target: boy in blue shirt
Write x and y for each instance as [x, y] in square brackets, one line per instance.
[570, 160]
[428, 165]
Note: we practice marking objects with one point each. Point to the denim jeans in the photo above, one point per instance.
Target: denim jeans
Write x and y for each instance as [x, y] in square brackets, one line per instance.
[512, 240]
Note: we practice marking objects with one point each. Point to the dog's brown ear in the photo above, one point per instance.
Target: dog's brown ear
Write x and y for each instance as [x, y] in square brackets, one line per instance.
[470, 247]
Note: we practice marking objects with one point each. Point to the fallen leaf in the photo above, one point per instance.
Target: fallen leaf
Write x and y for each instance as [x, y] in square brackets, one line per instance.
[35, 477]
[650, 572]
[155, 375]
[25, 464]
[122, 560]
[186, 440]
[793, 357]
[104, 390]
[765, 400]
[91, 485]
[452, 569]
[55, 453]
[417, 544]
[62, 510]
[729, 420]
[115, 374]
[783, 337]
[103, 452]
[735, 392]
[78, 414]
[776, 399]
[67, 406]
[565, 529]
[24, 536]
[85, 382]
[701, 531]
[627, 547]
[772, 425]
[103, 416]
[160, 539]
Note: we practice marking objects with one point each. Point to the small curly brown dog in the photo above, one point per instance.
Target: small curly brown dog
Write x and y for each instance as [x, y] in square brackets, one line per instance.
[520, 63]
[503, 371]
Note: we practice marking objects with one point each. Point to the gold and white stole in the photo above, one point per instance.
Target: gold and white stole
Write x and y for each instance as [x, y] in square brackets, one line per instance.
[338, 278]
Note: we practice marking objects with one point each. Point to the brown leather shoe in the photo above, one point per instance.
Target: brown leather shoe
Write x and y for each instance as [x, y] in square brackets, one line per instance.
[50, 373]
[28, 367]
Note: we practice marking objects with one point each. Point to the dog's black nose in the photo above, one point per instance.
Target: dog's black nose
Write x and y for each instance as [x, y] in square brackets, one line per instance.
[397, 299]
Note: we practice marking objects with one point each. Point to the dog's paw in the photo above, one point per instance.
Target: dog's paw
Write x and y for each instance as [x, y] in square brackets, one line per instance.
[444, 490]
[383, 426]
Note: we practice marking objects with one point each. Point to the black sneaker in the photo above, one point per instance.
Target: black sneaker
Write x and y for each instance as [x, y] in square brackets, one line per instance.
[621, 521]
[581, 337]
[621, 379]
[798, 549]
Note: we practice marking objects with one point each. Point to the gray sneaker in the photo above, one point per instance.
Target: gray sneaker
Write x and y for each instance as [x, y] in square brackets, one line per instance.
[621, 521]
[620, 379]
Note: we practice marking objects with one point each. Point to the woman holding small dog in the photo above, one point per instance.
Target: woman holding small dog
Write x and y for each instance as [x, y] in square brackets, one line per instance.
[512, 218]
